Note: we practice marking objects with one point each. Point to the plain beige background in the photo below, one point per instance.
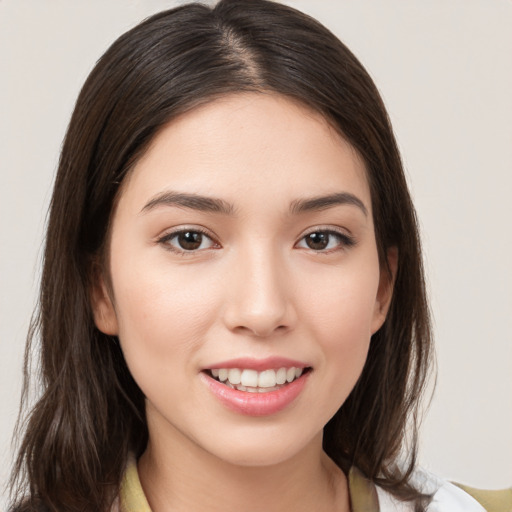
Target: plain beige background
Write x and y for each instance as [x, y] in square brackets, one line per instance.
[444, 68]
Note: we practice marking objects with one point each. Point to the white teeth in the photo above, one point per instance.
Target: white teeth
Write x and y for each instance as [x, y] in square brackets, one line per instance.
[234, 376]
[256, 382]
[255, 390]
[281, 376]
[250, 378]
[267, 379]
[266, 390]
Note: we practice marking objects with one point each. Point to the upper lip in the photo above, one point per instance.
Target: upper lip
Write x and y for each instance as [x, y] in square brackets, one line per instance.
[259, 364]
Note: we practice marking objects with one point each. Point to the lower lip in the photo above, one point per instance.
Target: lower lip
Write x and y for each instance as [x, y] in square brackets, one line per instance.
[256, 404]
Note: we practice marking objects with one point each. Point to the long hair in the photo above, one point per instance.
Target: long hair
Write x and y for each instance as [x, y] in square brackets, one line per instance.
[90, 415]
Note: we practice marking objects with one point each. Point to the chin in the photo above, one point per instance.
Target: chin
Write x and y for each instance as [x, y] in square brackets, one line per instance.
[256, 457]
[264, 448]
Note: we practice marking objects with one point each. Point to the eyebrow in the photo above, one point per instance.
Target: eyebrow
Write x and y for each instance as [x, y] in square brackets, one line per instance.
[215, 205]
[325, 202]
[192, 201]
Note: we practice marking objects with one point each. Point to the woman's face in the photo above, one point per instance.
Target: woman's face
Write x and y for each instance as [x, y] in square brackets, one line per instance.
[243, 247]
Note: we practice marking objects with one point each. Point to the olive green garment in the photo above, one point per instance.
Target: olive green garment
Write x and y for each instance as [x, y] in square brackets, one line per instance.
[363, 494]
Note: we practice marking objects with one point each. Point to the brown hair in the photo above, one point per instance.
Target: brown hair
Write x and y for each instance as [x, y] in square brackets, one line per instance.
[91, 412]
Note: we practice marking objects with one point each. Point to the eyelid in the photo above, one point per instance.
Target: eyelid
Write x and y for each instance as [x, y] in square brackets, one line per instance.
[169, 234]
[327, 229]
[347, 240]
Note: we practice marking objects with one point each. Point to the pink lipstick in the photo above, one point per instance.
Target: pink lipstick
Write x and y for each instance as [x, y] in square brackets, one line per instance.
[256, 387]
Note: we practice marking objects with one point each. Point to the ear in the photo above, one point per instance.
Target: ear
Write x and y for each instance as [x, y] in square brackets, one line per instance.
[103, 309]
[385, 290]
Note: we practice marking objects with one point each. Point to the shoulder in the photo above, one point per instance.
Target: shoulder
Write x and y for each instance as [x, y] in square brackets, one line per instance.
[449, 497]
[446, 498]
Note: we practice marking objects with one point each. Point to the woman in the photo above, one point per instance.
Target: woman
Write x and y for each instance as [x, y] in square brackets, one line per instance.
[232, 305]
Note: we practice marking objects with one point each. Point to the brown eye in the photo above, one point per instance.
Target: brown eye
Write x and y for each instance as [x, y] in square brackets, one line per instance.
[317, 241]
[325, 241]
[189, 240]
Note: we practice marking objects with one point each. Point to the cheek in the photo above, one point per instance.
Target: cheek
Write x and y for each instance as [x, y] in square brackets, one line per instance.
[345, 326]
[341, 303]
[340, 317]
[162, 313]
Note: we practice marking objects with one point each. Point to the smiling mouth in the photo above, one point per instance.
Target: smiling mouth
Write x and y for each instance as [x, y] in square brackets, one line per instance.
[253, 381]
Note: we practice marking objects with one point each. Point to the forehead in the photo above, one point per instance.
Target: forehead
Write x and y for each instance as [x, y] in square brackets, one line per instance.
[250, 144]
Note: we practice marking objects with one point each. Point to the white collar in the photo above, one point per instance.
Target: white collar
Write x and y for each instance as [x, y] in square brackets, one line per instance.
[446, 496]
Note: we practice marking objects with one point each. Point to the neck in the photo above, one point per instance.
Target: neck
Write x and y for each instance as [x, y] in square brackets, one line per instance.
[183, 477]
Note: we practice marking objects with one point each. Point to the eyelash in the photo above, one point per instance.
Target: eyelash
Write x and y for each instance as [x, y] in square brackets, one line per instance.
[344, 241]
[166, 239]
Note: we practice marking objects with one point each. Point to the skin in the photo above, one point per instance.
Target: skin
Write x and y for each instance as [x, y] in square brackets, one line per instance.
[253, 288]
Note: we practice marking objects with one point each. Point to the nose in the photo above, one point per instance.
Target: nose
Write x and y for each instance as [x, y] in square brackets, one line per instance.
[260, 302]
